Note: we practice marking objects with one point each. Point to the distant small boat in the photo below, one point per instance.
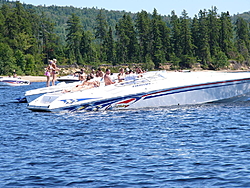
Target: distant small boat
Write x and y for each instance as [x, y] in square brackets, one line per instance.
[10, 81]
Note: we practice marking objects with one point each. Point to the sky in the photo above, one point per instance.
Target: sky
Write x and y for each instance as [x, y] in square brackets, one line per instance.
[163, 7]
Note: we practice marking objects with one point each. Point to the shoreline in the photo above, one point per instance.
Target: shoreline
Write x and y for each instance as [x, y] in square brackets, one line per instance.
[44, 79]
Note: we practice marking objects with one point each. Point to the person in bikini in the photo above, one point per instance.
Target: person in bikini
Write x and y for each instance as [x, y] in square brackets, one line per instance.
[48, 71]
[54, 71]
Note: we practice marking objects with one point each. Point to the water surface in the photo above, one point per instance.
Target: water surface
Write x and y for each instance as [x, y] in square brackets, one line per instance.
[186, 146]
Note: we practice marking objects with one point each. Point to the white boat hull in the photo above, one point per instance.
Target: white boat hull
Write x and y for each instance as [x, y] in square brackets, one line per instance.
[168, 90]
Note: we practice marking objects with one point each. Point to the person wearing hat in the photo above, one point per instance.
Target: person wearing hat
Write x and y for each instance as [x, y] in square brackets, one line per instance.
[54, 71]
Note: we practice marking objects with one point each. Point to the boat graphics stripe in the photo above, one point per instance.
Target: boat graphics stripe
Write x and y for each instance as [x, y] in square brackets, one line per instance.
[67, 101]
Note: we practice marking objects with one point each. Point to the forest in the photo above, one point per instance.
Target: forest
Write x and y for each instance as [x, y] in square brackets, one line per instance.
[31, 35]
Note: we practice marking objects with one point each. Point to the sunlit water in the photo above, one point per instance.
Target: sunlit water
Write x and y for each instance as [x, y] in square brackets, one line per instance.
[188, 146]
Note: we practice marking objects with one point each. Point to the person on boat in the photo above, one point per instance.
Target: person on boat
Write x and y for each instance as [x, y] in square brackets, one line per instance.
[107, 78]
[14, 74]
[48, 71]
[93, 72]
[87, 84]
[138, 70]
[55, 70]
[127, 71]
[132, 76]
[121, 76]
[99, 73]
[80, 73]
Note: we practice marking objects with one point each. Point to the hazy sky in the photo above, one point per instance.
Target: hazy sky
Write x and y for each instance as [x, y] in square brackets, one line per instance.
[163, 7]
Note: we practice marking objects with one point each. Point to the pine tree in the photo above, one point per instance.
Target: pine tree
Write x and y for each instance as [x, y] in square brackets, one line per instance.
[110, 47]
[157, 50]
[186, 41]
[133, 42]
[101, 27]
[242, 37]
[48, 39]
[226, 35]
[176, 33]
[203, 47]
[126, 40]
[100, 33]
[122, 40]
[165, 39]
[213, 25]
[142, 24]
[195, 35]
[74, 38]
[86, 47]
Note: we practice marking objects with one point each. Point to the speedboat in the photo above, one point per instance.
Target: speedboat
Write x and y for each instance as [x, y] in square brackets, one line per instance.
[10, 81]
[158, 89]
[69, 78]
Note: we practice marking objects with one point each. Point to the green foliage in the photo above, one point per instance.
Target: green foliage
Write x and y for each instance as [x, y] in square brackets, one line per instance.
[187, 61]
[74, 37]
[243, 37]
[7, 61]
[101, 26]
[220, 61]
[30, 65]
[149, 64]
[175, 62]
[31, 35]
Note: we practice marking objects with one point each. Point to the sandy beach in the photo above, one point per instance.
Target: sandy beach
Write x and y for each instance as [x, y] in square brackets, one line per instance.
[31, 78]
[34, 78]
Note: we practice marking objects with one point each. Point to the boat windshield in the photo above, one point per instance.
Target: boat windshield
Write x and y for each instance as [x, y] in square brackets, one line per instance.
[141, 80]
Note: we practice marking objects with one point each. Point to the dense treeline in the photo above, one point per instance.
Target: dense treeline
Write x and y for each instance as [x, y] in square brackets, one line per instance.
[26, 40]
[29, 37]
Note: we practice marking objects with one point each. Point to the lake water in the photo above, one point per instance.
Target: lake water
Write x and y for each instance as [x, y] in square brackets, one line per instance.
[187, 146]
